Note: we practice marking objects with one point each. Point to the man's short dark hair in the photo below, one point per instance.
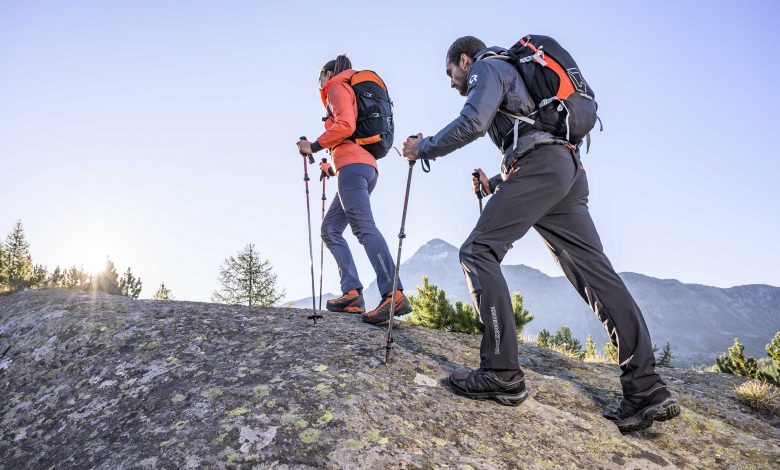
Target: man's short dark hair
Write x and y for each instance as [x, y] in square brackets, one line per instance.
[468, 45]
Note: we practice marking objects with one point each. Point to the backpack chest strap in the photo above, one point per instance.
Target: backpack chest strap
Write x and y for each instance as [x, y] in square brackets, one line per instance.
[515, 128]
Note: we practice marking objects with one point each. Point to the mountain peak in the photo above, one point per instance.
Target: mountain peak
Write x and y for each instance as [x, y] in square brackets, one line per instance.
[435, 247]
[438, 243]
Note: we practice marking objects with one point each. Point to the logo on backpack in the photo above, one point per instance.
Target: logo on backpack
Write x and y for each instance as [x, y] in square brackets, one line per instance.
[576, 79]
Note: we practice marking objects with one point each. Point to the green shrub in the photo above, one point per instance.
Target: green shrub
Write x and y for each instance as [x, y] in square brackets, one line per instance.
[610, 353]
[765, 370]
[735, 362]
[431, 309]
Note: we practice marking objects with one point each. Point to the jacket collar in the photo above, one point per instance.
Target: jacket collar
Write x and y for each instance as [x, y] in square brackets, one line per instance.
[343, 77]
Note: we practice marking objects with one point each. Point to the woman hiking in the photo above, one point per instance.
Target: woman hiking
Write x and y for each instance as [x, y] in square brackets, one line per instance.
[356, 174]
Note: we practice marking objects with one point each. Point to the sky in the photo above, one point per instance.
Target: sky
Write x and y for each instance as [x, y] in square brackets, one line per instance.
[162, 134]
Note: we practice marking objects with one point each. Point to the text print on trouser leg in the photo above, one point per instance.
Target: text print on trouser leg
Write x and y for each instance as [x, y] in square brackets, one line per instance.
[496, 333]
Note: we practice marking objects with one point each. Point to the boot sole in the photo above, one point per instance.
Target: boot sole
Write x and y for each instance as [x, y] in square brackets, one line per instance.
[507, 399]
[645, 417]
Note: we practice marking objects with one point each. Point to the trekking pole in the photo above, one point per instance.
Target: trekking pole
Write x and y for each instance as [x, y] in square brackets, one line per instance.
[323, 177]
[314, 316]
[479, 189]
[401, 236]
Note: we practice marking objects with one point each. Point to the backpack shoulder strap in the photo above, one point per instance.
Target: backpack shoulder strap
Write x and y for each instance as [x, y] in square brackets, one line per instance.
[492, 55]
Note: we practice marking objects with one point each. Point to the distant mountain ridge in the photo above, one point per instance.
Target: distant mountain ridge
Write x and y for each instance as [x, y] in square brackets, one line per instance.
[699, 321]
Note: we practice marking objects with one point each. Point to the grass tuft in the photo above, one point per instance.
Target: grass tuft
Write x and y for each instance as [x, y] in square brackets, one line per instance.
[759, 396]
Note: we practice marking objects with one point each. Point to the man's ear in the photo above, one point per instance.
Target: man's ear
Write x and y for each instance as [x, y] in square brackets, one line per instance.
[465, 62]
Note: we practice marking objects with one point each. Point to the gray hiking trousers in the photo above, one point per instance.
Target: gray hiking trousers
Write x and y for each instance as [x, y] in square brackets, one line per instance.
[549, 192]
[352, 206]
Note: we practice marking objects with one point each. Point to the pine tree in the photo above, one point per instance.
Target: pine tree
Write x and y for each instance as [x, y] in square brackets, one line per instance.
[769, 374]
[430, 307]
[163, 293]
[107, 280]
[666, 356]
[465, 319]
[735, 362]
[544, 339]
[77, 278]
[564, 339]
[773, 349]
[3, 270]
[769, 369]
[57, 278]
[590, 348]
[246, 280]
[129, 285]
[522, 316]
[18, 263]
[71, 278]
[610, 353]
[40, 273]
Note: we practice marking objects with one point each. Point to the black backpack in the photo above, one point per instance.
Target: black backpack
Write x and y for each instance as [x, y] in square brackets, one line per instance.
[374, 128]
[565, 104]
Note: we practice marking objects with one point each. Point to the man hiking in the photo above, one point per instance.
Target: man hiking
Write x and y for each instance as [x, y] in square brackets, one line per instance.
[542, 184]
[357, 174]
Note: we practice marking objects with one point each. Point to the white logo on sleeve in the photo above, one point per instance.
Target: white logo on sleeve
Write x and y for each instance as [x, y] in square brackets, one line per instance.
[473, 79]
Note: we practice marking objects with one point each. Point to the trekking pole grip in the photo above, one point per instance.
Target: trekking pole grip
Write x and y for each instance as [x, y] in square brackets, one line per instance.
[311, 157]
[479, 183]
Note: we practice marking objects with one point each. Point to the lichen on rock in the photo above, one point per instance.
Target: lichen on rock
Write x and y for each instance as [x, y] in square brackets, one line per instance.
[92, 380]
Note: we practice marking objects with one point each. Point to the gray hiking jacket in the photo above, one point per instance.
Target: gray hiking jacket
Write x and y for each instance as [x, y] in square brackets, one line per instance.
[493, 84]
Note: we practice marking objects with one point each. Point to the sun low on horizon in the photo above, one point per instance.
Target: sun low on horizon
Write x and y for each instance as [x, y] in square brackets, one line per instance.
[93, 248]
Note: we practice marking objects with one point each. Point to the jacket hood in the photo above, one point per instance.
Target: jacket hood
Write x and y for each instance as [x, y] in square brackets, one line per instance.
[343, 77]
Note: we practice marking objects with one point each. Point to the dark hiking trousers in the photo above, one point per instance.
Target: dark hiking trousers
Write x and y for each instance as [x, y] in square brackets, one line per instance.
[352, 206]
[549, 191]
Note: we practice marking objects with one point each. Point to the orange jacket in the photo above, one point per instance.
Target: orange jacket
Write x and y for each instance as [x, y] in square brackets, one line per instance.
[339, 99]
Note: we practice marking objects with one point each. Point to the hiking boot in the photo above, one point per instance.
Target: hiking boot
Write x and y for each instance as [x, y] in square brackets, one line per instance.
[381, 313]
[485, 384]
[351, 302]
[637, 412]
